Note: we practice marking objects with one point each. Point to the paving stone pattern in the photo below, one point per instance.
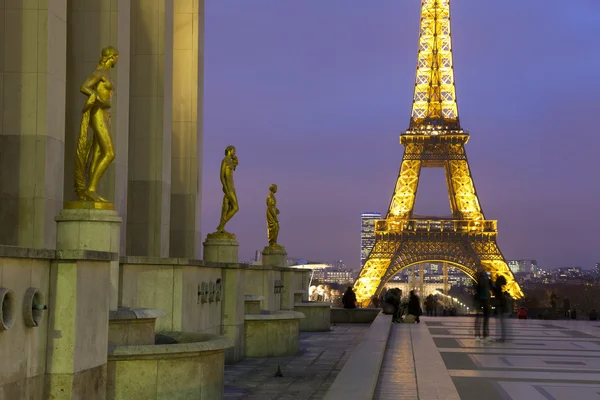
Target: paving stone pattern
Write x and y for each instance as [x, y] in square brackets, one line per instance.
[306, 376]
[543, 360]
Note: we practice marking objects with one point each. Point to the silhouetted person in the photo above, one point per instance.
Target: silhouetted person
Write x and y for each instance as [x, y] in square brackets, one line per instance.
[349, 298]
[414, 305]
[482, 304]
[393, 297]
[553, 298]
[567, 307]
[429, 305]
[500, 305]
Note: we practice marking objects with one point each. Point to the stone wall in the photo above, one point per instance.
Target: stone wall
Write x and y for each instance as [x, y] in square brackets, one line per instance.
[54, 306]
[188, 293]
[23, 348]
[67, 350]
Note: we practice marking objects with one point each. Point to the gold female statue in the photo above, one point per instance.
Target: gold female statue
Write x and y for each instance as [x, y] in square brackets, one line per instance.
[272, 219]
[230, 201]
[94, 156]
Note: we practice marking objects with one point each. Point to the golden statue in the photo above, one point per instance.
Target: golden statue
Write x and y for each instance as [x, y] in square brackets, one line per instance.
[272, 220]
[230, 202]
[94, 156]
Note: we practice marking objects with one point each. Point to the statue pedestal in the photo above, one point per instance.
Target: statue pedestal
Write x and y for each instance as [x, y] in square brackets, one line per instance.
[84, 289]
[274, 256]
[88, 229]
[91, 228]
[220, 248]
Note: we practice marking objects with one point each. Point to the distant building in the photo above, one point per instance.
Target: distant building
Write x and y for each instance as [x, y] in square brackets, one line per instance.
[367, 234]
[528, 267]
[597, 269]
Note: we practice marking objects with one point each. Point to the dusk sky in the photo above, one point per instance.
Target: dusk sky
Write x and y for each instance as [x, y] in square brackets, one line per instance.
[314, 94]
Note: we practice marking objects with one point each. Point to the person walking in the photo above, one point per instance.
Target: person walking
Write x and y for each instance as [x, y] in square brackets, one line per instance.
[482, 305]
[500, 303]
[429, 305]
[414, 306]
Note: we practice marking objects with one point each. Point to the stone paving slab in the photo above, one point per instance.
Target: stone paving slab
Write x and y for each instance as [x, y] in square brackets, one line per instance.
[558, 360]
[307, 375]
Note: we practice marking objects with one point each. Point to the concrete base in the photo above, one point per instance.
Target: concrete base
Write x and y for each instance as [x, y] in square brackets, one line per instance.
[220, 249]
[127, 327]
[272, 334]
[252, 304]
[88, 229]
[358, 378]
[354, 315]
[92, 229]
[180, 365]
[317, 316]
[274, 256]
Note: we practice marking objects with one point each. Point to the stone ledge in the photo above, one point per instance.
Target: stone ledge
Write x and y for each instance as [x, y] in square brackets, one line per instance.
[249, 297]
[166, 261]
[353, 315]
[89, 255]
[358, 379]
[126, 313]
[312, 304]
[26, 252]
[180, 344]
[274, 315]
[51, 254]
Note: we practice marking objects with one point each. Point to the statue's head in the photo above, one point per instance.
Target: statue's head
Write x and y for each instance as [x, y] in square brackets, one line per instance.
[110, 55]
[230, 151]
[273, 188]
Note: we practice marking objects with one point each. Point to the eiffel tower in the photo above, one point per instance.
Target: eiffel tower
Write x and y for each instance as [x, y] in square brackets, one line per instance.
[434, 139]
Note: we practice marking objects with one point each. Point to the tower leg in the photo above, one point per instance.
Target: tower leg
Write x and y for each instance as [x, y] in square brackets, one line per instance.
[422, 275]
[445, 272]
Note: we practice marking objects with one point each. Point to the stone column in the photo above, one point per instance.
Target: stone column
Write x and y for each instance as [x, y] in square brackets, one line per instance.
[445, 277]
[186, 150]
[233, 312]
[78, 310]
[92, 26]
[422, 280]
[150, 126]
[274, 256]
[32, 120]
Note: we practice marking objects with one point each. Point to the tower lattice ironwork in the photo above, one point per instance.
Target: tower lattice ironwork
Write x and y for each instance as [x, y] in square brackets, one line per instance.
[434, 139]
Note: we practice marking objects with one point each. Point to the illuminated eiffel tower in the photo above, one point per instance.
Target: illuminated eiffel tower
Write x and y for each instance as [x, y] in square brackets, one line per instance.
[434, 139]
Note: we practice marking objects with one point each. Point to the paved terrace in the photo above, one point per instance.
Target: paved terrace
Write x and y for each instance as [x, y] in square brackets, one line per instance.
[436, 359]
[306, 376]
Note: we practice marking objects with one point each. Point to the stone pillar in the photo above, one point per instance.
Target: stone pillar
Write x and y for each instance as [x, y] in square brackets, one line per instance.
[90, 229]
[32, 120]
[233, 312]
[288, 289]
[92, 26]
[186, 150]
[274, 256]
[78, 310]
[445, 277]
[150, 126]
[422, 280]
[220, 249]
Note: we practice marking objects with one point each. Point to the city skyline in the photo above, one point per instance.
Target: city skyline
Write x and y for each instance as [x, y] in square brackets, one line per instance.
[318, 111]
[367, 234]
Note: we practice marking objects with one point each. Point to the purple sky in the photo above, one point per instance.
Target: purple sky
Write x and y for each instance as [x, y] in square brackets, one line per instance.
[314, 93]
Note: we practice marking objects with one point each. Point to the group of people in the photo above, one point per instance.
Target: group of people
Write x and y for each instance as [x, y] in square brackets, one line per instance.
[483, 290]
[409, 312]
[483, 302]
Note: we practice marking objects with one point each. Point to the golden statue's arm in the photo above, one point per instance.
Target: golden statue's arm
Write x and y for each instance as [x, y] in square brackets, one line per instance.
[88, 88]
